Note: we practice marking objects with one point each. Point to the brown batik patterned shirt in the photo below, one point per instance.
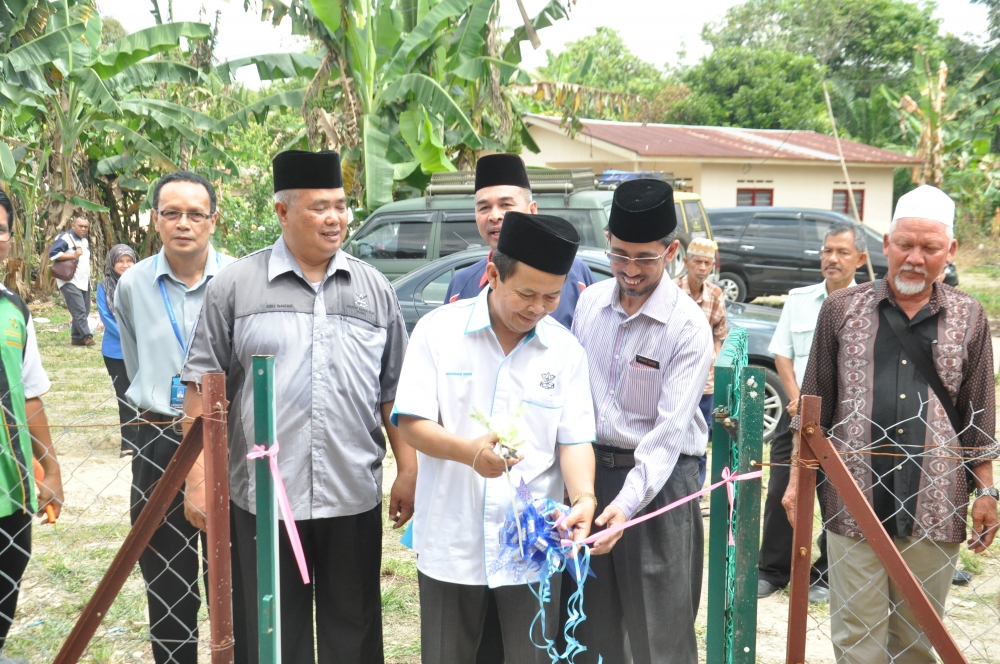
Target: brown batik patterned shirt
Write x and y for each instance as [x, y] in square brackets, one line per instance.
[842, 371]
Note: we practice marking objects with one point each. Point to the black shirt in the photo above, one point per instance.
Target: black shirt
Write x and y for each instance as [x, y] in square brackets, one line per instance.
[898, 428]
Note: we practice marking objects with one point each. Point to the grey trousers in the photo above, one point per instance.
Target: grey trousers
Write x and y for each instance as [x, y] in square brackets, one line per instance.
[78, 303]
[452, 617]
[649, 586]
[869, 621]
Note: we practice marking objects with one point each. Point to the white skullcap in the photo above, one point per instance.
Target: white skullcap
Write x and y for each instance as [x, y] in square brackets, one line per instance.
[926, 202]
[702, 246]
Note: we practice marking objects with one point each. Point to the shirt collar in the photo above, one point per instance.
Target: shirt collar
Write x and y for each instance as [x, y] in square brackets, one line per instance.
[282, 261]
[161, 266]
[479, 319]
[659, 304]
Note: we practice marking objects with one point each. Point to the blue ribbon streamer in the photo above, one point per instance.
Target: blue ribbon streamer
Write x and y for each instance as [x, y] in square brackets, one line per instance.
[543, 552]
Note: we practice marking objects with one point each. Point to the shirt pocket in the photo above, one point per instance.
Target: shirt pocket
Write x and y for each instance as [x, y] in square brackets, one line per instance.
[802, 338]
[640, 389]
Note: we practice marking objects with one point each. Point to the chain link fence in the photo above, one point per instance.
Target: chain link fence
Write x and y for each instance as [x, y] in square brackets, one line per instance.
[100, 469]
[920, 494]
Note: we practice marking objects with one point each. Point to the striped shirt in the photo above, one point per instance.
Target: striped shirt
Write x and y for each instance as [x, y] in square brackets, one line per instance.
[647, 372]
[713, 304]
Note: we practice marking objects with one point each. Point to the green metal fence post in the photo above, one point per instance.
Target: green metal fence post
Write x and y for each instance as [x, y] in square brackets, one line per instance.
[268, 605]
[746, 516]
[727, 368]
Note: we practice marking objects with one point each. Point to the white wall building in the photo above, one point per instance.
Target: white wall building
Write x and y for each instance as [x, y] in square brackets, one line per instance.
[730, 166]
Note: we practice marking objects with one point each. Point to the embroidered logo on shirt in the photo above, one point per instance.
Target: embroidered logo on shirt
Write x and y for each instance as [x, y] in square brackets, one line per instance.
[548, 381]
[361, 301]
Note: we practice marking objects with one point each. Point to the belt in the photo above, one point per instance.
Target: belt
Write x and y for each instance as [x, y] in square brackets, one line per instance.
[614, 457]
[162, 421]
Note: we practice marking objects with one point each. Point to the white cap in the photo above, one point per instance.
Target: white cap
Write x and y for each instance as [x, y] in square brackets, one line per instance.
[926, 202]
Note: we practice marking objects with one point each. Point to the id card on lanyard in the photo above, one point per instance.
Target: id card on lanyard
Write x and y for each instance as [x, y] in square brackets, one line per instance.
[177, 388]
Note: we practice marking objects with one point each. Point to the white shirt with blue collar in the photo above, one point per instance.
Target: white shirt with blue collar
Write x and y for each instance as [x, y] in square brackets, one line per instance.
[454, 364]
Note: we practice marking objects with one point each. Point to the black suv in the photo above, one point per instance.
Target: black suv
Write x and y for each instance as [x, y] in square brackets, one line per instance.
[771, 250]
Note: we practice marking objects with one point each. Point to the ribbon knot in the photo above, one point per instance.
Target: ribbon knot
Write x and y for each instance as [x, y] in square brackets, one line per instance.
[271, 454]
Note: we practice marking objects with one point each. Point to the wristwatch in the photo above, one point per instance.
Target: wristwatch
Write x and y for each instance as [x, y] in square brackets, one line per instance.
[989, 491]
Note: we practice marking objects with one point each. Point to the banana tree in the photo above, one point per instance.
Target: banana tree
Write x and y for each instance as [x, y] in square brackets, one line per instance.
[406, 88]
[952, 125]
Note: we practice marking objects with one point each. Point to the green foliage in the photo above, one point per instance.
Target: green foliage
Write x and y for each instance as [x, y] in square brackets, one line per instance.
[858, 40]
[247, 221]
[759, 88]
[603, 60]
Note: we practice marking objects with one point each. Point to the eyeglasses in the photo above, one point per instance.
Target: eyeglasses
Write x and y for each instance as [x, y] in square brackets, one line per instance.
[175, 215]
[4, 234]
[644, 261]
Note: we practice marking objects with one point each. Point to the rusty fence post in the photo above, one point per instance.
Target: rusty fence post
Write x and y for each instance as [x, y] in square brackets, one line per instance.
[220, 581]
[873, 531]
[149, 520]
[798, 599]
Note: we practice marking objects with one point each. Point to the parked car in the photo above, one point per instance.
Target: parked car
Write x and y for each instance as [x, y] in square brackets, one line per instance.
[405, 235]
[423, 290]
[771, 250]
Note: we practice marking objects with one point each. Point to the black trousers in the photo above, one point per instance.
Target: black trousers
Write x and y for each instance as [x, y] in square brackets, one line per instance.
[170, 563]
[15, 550]
[78, 303]
[126, 413]
[344, 556]
[452, 618]
[650, 583]
[775, 561]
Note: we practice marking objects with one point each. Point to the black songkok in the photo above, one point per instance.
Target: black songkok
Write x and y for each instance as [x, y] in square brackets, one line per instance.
[642, 211]
[501, 169]
[542, 241]
[298, 169]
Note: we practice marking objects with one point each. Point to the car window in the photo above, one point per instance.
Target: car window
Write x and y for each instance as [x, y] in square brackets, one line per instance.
[728, 224]
[581, 221]
[394, 239]
[434, 292]
[774, 228]
[680, 216]
[695, 219]
[458, 235]
[814, 230]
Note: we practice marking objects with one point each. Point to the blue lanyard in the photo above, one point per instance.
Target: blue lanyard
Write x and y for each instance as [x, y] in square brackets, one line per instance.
[170, 309]
[173, 319]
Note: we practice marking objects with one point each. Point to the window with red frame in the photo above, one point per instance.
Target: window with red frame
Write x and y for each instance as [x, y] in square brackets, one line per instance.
[841, 202]
[755, 197]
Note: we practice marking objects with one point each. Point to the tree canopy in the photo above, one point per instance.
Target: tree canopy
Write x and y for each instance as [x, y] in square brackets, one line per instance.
[761, 88]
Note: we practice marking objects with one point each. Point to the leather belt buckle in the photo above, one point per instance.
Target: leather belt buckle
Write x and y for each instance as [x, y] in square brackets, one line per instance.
[604, 458]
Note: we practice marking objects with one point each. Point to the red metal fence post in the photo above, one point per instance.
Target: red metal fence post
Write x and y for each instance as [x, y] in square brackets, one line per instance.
[798, 600]
[220, 592]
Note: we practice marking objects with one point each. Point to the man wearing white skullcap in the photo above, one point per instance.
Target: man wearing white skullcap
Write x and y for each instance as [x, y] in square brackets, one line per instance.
[890, 388]
[700, 261]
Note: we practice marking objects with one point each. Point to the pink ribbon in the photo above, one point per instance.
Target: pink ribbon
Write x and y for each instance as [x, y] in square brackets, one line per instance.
[259, 452]
[728, 478]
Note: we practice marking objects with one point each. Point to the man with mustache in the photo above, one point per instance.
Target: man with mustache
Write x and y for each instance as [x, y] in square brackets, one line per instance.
[333, 325]
[501, 186]
[157, 303]
[904, 366]
[844, 252]
[650, 348]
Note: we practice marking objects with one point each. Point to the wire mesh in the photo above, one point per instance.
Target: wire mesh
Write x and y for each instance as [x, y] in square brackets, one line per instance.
[66, 560]
[910, 488]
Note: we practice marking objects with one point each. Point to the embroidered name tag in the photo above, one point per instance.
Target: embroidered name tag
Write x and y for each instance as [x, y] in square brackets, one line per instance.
[639, 359]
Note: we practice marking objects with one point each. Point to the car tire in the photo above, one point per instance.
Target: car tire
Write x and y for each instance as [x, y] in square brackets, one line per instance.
[676, 267]
[733, 287]
[775, 401]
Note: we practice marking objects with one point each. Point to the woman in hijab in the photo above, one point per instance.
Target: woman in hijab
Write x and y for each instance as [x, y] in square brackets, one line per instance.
[120, 258]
